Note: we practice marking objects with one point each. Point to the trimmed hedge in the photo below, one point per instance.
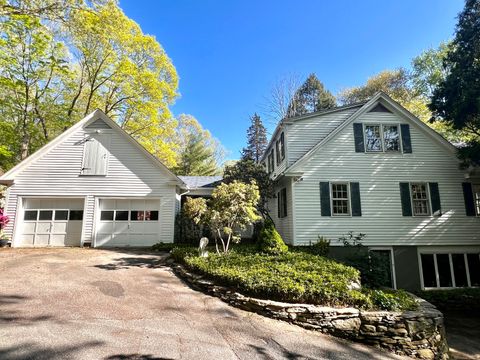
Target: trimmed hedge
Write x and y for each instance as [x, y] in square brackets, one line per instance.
[467, 299]
[269, 240]
[290, 277]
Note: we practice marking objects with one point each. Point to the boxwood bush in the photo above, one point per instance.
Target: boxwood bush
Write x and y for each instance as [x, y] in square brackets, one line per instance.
[291, 277]
[270, 241]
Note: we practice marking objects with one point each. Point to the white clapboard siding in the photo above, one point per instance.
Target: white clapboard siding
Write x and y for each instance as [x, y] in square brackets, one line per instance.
[379, 176]
[304, 134]
[284, 225]
[130, 174]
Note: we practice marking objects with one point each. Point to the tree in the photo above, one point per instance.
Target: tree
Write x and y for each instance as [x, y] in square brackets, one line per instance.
[231, 208]
[457, 97]
[198, 153]
[392, 82]
[246, 171]
[282, 92]
[54, 72]
[311, 97]
[256, 140]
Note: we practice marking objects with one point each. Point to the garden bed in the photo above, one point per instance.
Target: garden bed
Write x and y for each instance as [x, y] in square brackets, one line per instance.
[295, 277]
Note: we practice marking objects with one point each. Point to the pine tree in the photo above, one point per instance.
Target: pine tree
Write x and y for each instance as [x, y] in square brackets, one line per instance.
[256, 140]
[196, 159]
[311, 97]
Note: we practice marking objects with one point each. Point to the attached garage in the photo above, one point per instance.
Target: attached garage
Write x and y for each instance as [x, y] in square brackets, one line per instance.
[51, 222]
[128, 222]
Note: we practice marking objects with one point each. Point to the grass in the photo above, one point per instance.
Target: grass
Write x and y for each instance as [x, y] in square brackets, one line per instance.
[294, 276]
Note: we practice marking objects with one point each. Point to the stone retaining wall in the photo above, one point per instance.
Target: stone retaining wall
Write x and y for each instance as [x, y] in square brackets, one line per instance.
[418, 333]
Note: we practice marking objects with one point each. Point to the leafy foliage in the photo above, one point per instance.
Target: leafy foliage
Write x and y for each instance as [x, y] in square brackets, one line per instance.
[292, 277]
[393, 300]
[4, 220]
[457, 97]
[248, 171]
[454, 299]
[256, 140]
[186, 230]
[269, 241]
[321, 247]
[231, 208]
[310, 97]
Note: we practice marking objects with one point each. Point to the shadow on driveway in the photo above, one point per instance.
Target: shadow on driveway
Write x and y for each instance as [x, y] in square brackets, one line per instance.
[463, 334]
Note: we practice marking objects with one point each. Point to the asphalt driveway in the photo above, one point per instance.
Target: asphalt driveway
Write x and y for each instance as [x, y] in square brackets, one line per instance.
[99, 304]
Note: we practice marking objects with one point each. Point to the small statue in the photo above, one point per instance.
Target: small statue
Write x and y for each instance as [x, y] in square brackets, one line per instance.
[203, 245]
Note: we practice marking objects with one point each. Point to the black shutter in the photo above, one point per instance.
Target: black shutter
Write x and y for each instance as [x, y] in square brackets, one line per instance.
[405, 198]
[284, 195]
[406, 141]
[358, 135]
[279, 204]
[325, 199]
[468, 197]
[435, 198]
[356, 202]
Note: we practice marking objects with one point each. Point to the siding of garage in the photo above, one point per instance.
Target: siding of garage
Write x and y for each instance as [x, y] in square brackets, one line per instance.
[131, 173]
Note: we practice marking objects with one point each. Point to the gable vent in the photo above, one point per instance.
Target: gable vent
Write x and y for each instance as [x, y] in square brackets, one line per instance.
[98, 124]
[380, 108]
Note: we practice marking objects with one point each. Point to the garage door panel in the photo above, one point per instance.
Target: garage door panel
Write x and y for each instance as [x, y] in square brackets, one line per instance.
[46, 222]
[120, 227]
[137, 204]
[122, 204]
[29, 227]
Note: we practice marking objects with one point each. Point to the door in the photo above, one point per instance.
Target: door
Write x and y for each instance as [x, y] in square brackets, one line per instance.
[383, 259]
[51, 222]
[128, 222]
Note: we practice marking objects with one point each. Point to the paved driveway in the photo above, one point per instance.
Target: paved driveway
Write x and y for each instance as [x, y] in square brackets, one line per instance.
[99, 304]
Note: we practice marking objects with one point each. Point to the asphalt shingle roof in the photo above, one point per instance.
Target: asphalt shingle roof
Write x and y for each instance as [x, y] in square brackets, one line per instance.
[195, 182]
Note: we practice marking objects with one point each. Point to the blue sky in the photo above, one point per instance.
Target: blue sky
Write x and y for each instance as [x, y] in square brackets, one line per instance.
[229, 54]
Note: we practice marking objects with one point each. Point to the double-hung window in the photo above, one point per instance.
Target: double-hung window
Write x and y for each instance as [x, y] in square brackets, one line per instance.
[271, 162]
[382, 138]
[476, 198]
[420, 199]
[340, 199]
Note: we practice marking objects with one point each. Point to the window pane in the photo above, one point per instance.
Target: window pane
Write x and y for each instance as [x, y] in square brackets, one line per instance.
[45, 215]
[151, 215]
[459, 270]
[372, 136]
[121, 215]
[106, 215]
[443, 265]
[420, 202]
[61, 214]
[391, 138]
[428, 269]
[474, 269]
[30, 215]
[137, 215]
[76, 214]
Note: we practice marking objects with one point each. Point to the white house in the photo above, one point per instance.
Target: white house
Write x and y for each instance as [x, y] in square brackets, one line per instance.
[374, 168]
[93, 184]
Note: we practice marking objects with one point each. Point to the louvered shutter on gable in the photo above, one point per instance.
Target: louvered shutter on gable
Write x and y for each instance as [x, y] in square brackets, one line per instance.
[406, 139]
[358, 136]
[468, 199]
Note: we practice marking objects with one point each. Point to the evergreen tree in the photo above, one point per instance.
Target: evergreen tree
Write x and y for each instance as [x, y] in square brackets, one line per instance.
[457, 98]
[256, 140]
[311, 97]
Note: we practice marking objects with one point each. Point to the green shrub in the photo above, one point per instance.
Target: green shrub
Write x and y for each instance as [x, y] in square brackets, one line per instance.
[270, 241]
[465, 299]
[321, 247]
[391, 299]
[163, 246]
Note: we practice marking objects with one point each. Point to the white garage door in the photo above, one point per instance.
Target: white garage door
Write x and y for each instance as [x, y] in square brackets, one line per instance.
[123, 222]
[51, 222]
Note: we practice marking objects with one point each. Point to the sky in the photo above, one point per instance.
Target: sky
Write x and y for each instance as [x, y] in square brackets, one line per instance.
[229, 54]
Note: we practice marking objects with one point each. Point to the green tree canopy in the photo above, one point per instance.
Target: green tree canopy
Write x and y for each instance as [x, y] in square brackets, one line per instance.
[457, 97]
[310, 97]
[256, 139]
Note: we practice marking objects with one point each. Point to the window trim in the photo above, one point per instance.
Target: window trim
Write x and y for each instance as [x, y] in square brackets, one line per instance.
[382, 142]
[448, 252]
[429, 200]
[331, 183]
